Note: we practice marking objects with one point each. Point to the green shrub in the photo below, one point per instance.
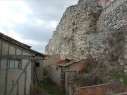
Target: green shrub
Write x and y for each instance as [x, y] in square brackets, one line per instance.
[120, 76]
[36, 90]
[51, 87]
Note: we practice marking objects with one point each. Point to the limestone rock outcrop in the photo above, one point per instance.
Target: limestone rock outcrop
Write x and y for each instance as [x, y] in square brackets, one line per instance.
[93, 28]
[76, 30]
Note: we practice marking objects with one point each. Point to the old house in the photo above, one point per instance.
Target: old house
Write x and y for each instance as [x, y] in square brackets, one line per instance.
[60, 71]
[65, 71]
[69, 71]
[17, 61]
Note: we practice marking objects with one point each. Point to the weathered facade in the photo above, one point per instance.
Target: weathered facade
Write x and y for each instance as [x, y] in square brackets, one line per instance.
[63, 71]
[16, 66]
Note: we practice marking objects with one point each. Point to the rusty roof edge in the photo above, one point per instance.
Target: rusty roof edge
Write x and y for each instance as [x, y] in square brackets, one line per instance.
[38, 53]
[69, 63]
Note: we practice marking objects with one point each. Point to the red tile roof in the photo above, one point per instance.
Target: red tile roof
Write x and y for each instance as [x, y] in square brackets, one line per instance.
[63, 61]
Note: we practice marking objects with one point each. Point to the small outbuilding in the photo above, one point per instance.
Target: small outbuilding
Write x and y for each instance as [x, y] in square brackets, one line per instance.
[17, 63]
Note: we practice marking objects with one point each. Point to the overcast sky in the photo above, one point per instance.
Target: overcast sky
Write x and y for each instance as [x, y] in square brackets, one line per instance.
[32, 21]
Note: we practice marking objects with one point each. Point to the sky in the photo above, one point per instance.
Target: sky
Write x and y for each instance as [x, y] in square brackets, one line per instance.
[32, 21]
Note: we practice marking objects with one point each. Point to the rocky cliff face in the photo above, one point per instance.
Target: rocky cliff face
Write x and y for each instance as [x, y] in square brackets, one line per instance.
[92, 28]
[76, 30]
[113, 24]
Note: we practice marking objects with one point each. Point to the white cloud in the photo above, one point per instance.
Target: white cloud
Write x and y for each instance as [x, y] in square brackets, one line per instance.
[39, 22]
[53, 24]
[1, 30]
[13, 12]
[36, 44]
[48, 25]
[70, 2]
[41, 47]
[31, 42]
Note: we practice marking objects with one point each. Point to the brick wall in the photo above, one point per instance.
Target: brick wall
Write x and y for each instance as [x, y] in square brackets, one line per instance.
[103, 89]
[92, 90]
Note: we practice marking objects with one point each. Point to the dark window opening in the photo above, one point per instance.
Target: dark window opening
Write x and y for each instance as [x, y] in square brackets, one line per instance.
[37, 64]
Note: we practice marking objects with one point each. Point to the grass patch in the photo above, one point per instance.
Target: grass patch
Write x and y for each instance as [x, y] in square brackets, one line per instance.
[121, 76]
[51, 88]
[36, 90]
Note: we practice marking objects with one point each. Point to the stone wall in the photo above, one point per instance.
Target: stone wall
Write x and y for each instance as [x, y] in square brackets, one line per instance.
[102, 89]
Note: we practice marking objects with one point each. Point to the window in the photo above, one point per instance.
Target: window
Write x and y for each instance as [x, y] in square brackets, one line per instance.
[37, 64]
[11, 64]
[15, 64]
